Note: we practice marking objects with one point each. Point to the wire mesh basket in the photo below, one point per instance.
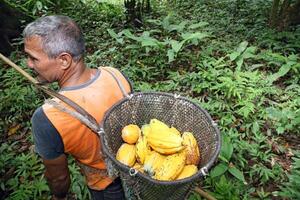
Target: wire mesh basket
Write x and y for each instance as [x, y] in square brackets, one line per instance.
[175, 111]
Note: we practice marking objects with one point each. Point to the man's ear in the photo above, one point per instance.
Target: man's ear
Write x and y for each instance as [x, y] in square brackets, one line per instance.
[65, 60]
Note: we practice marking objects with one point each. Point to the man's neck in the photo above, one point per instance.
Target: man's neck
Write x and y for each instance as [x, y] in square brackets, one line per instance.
[76, 75]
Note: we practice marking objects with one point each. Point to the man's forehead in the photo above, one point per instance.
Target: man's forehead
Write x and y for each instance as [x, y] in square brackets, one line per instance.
[33, 39]
[33, 43]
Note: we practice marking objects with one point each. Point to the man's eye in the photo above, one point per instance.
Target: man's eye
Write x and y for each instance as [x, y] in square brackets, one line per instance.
[32, 58]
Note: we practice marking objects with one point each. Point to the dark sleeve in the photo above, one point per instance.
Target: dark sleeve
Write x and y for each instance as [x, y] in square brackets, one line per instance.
[48, 142]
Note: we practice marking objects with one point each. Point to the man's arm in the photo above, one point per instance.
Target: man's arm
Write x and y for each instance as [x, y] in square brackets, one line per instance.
[58, 176]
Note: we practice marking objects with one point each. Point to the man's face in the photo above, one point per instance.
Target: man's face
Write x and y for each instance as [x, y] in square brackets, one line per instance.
[48, 69]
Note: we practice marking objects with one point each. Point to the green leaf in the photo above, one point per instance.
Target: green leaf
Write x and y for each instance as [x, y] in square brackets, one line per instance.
[218, 170]
[226, 148]
[242, 46]
[178, 28]
[255, 127]
[39, 5]
[197, 35]
[154, 21]
[280, 130]
[234, 55]
[249, 52]
[197, 25]
[171, 55]
[274, 113]
[166, 22]
[113, 34]
[284, 69]
[128, 34]
[237, 173]
[239, 63]
[148, 41]
[176, 46]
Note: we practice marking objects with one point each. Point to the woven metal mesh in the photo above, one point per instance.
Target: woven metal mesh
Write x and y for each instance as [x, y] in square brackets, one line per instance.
[174, 111]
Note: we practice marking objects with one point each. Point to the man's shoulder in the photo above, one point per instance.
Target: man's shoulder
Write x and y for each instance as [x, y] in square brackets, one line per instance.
[38, 114]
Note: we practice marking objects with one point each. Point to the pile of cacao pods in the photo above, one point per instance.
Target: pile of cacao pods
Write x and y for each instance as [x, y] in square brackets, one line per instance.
[159, 151]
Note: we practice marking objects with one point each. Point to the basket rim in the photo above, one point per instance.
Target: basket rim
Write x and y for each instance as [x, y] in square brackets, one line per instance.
[201, 172]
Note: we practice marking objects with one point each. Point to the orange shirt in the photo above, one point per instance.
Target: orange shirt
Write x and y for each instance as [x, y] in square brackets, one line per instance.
[78, 140]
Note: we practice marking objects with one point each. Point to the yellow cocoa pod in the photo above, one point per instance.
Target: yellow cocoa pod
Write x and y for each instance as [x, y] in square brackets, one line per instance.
[146, 129]
[174, 130]
[163, 138]
[131, 133]
[126, 154]
[167, 151]
[187, 171]
[138, 167]
[171, 167]
[152, 162]
[142, 149]
[192, 149]
[156, 124]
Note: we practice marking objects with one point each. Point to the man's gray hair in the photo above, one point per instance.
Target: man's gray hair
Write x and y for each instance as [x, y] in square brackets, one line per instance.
[58, 34]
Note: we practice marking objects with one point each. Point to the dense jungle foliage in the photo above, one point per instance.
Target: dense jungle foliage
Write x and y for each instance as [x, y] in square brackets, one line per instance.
[228, 56]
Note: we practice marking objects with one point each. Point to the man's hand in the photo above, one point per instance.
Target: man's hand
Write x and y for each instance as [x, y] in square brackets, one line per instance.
[58, 176]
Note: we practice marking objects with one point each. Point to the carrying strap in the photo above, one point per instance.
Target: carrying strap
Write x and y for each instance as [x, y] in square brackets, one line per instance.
[78, 115]
[121, 86]
[78, 112]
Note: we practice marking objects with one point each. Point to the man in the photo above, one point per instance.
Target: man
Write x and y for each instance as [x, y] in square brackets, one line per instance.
[55, 48]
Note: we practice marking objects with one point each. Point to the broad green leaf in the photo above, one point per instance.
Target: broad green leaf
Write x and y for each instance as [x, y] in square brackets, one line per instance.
[155, 31]
[113, 34]
[148, 41]
[237, 173]
[223, 158]
[146, 34]
[128, 34]
[132, 46]
[255, 127]
[179, 28]
[166, 22]
[218, 170]
[242, 46]
[39, 5]
[284, 69]
[197, 25]
[249, 52]
[226, 148]
[176, 46]
[154, 21]
[170, 55]
[197, 35]
[234, 55]
[280, 130]
[239, 63]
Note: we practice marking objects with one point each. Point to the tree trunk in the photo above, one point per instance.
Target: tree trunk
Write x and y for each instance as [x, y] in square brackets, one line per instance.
[274, 13]
[10, 26]
[134, 11]
[284, 14]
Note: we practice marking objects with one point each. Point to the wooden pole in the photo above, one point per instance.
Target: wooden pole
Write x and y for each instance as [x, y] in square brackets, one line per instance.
[204, 194]
[19, 69]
